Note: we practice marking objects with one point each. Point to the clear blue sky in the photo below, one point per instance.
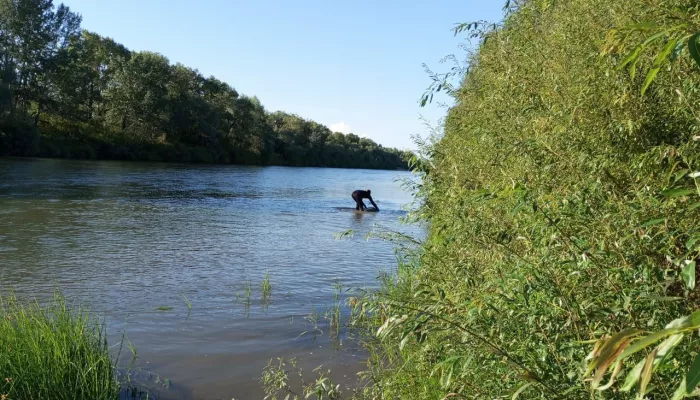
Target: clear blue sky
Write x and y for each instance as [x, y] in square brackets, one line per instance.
[355, 64]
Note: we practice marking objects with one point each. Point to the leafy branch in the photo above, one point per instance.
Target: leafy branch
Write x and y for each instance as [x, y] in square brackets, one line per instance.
[670, 42]
[610, 353]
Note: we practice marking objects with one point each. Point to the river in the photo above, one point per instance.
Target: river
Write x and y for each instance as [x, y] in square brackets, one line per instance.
[137, 241]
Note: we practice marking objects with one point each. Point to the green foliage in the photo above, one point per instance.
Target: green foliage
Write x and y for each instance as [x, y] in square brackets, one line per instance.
[276, 381]
[54, 353]
[675, 25]
[67, 93]
[610, 353]
[563, 211]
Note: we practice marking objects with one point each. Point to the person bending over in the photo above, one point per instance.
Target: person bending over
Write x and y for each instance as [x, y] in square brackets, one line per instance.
[358, 195]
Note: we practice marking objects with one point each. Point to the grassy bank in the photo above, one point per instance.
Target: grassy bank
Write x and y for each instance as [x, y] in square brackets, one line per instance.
[54, 352]
[563, 204]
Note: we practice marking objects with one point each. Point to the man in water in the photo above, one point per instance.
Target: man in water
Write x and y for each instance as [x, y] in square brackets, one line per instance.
[358, 195]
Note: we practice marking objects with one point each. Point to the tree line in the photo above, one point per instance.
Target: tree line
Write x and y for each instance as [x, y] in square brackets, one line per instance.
[66, 92]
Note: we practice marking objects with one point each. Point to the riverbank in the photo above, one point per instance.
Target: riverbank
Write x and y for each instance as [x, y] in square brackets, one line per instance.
[563, 203]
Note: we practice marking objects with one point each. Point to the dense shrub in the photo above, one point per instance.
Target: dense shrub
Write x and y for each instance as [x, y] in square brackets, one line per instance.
[563, 208]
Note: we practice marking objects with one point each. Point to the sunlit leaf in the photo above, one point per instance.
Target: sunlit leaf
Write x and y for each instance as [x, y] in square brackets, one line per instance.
[654, 38]
[666, 348]
[653, 222]
[607, 362]
[610, 349]
[688, 322]
[615, 373]
[633, 377]
[647, 341]
[688, 275]
[633, 68]
[658, 62]
[677, 192]
[645, 376]
[632, 56]
[650, 78]
[680, 392]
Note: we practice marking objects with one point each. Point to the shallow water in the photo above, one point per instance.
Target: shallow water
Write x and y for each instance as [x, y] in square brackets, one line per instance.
[128, 238]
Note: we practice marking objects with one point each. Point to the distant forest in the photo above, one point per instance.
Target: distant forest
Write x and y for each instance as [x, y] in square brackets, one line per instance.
[69, 93]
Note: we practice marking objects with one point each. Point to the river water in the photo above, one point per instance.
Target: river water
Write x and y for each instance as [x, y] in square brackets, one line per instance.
[137, 241]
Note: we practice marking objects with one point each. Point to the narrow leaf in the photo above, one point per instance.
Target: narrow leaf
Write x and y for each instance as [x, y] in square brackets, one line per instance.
[633, 377]
[650, 78]
[680, 174]
[678, 49]
[404, 339]
[688, 275]
[666, 347]
[692, 379]
[647, 341]
[654, 38]
[653, 222]
[633, 68]
[596, 348]
[615, 373]
[691, 321]
[688, 322]
[605, 364]
[645, 377]
[664, 298]
[694, 47]
[665, 52]
[631, 56]
[520, 390]
[658, 62]
[680, 392]
[662, 352]
[610, 348]
[677, 192]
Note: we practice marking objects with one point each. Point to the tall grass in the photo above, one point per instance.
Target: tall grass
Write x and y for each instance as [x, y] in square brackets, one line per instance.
[189, 305]
[333, 314]
[313, 319]
[244, 297]
[266, 289]
[54, 352]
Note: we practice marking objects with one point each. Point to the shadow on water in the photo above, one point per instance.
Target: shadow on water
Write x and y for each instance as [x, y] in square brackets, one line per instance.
[372, 210]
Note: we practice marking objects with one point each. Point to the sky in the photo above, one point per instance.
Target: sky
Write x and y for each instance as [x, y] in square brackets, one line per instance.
[355, 66]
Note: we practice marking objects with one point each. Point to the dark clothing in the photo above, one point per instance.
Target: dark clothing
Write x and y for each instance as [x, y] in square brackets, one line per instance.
[358, 195]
